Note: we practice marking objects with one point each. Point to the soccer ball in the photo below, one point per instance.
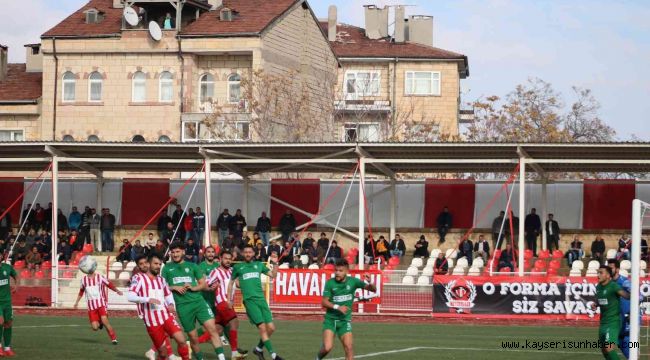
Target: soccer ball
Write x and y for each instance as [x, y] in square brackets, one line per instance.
[87, 265]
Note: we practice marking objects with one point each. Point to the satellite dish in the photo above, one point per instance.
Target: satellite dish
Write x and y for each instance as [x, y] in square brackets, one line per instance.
[131, 16]
[155, 31]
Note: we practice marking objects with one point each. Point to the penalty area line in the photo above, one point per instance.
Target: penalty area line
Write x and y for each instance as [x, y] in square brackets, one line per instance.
[381, 353]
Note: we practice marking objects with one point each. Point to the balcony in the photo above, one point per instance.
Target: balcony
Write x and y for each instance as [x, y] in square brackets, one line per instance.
[362, 105]
[466, 116]
[217, 120]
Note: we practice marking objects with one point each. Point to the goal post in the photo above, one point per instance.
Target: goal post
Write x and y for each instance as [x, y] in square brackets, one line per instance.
[638, 210]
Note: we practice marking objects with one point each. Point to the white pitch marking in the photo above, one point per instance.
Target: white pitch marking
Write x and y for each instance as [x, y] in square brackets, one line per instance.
[470, 349]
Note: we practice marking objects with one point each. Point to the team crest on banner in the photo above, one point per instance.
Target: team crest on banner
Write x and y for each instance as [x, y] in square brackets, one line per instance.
[460, 296]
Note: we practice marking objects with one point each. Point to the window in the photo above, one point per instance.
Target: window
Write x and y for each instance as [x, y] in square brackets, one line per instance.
[11, 135]
[422, 83]
[139, 90]
[206, 88]
[138, 139]
[166, 87]
[362, 83]
[93, 138]
[95, 87]
[368, 132]
[69, 86]
[36, 50]
[68, 138]
[243, 131]
[190, 131]
[234, 88]
[164, 139]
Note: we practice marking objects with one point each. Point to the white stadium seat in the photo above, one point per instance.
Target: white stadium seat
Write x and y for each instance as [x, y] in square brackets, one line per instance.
[474, 271]
[593, 265]
[575, 272]
[304, 259]
[643, 264]
[313, 266]
[116, 266]
[408, 280]
[463, 262]
[434, 254]
[112, 275]
[478, 263]
[591, 273]
[642, 273]
[577, 265]
[451, 253]
[284, 266]
[417, 262]
[624, 272]
[125, 275]
[458, 270]
[424, 280]
[427, 271]
[626, 265]
[450, 263]
[412, 271]
[611, 253]
[130, 266]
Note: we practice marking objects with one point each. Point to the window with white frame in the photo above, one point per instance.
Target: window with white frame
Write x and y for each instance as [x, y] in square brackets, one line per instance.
[95, 86]
[422, 83]
[234, 88]
[362, 83]
[139, 90]
[12, 135]
[206, 88]
[363, 132]
[243, 130]
[166, 87]
[69, 86]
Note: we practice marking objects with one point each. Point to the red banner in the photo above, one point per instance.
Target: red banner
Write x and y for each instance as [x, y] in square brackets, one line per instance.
[305, 286]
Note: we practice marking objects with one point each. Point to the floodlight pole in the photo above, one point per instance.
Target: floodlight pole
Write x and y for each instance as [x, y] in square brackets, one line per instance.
[362, 210]
[393, 208]
[244, 205]
[100, 187]
[544, 213]
[522, 212]
[208, 201]
[55, 232]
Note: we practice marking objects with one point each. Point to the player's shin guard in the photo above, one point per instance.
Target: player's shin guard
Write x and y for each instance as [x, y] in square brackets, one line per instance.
[111, 334]
[7, 336]
[184, 351]
[232, 337]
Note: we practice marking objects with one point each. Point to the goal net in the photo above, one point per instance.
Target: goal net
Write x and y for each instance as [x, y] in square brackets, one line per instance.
[640, 291]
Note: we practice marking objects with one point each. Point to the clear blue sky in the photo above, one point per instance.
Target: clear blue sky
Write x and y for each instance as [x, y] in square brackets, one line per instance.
[603, 45]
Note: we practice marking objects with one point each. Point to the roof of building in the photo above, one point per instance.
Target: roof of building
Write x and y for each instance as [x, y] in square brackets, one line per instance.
[251, 17]
[351, 41]
[21, 85]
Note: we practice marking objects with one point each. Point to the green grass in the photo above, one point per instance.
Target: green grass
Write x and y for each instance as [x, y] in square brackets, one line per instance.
[38, 337]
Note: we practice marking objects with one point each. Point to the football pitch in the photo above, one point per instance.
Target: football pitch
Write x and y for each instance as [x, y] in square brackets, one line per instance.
[49, 337]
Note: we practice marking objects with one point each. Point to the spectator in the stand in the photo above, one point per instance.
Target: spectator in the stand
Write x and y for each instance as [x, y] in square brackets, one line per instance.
[39, 217]
[34, 259]
[294, 240]
[44, 247]
[198, 225]
[466, 249]
[323, 243]
[644, 249]
[20, 250]
[107, 226]
[47, 222]
[95, 229]
[598, 249]
[309, 242]
[64, 251]
[507, 257]
[421, 248]
[30, 239]
[192, 251]
[188, 224]
[160, 249]
[624, 246]
[3, 244]
[229, 243]
[335, 253]
[149, 244]
[532, 228]
[74, 219]
[382, 248]
[61, 220]
[237, 224]
[575, 250]
[223, 225]
[5, 223]
[260, 252]
[290, 255]
[482, 248]
[397, 246]
[263, 227]
[515, 227]
[287, 225]
[441, 267]
[273, 247]
[84, 228]
[137, 250]
[124, 252]
[177, 218]
[74, 241]
[29, 215]
[444, 223]
[311, 252]
[552, 233]
[369, 250]
[245, 240]
[256, 239]
[163, 219]
[167, 236]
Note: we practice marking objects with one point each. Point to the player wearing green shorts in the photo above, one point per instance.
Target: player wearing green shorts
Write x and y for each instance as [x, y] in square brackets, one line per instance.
[608, 293]
[7, 273]
[338, 297]
[187, 283]
[249, 273]
[206, 266]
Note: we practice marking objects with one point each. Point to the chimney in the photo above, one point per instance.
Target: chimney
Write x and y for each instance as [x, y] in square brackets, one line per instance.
[118, 4]
[400, 24]
[215, 4]
[331, 23]
[376, 22]
[421, 29]
[34, 58]
[4, 54]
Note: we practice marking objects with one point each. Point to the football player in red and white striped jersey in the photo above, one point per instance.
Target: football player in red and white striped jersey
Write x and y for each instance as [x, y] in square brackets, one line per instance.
[94, 286]
[156, 304]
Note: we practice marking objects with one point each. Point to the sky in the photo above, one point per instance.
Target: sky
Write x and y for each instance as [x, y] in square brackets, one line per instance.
[602, 45]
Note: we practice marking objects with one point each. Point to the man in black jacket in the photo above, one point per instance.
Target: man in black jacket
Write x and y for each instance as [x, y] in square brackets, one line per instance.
[482, 248]
[552, 233]
[598, 249]
[178, 217]
[223, 225]
[466, 249]
[107, 227]
[421, 248]
[444, 224]
[497, 223]
[532, 227]
[163, 219]
[5, 224]
[263, 228]
[167, 235]
[287, 224]
[507, 257]
[274, 247]
[84, 228]
[237, 225]
[397, 246]
[309, 242]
